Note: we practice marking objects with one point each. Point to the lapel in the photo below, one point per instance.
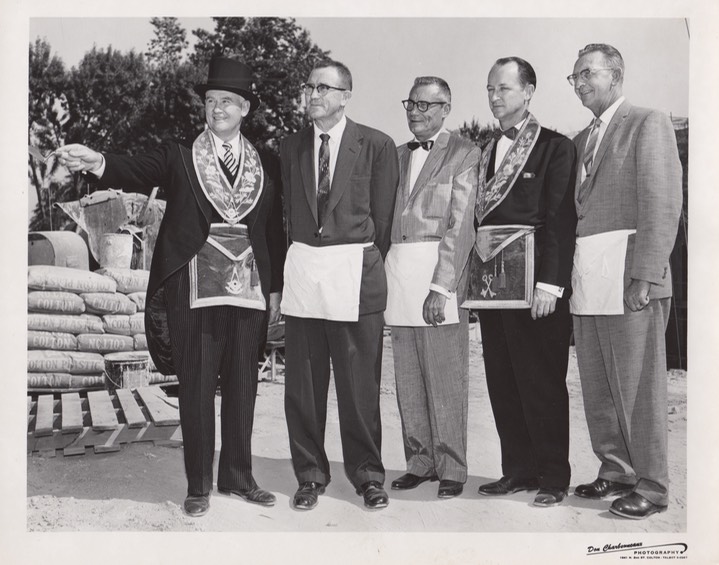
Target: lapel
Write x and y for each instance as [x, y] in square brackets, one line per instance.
[307, 169]
[436, 155]
[350, 147]
[405, 160]
[202, 202]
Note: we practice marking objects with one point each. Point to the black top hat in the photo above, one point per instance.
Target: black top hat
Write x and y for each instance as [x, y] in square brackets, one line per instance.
[231, 75]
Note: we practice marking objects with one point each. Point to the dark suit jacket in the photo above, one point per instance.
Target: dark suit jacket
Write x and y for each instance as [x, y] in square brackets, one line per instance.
[186, 225]
[545, 200]
[360, 205]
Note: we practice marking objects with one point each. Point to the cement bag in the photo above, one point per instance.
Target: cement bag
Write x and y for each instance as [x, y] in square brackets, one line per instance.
[64, 380]
[106, 303]
[73, 362]
[139, 299]
[51, 340]
[49, 277]
[54, 302]
[128, 280]
[159, 378]
[105, 343]
[77, 324]
[140, 342]
[124, 325]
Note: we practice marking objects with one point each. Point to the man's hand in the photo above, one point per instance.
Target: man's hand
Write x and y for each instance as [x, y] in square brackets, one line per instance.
[77, 157]
[636, 297]
[433, 308]
[275, 299]
[543, 303]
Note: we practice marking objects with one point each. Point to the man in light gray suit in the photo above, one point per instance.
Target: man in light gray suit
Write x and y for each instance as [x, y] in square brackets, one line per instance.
[432, 236]
[628, 200]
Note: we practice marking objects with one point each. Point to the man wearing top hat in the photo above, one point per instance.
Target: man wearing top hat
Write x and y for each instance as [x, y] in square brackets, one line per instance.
[216, 270]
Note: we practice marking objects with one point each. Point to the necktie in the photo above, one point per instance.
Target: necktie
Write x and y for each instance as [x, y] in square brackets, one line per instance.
[229, 160]
[588, 156]
[426, 145]
[323, 180]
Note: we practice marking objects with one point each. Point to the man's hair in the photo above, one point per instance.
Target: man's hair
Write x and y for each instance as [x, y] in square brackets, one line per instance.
[612, 56]
[342, 70]
[440, 82]
[526, 71]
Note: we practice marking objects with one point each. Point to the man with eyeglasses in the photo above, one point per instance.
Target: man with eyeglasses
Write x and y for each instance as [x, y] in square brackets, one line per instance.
[432, 236]
[526, 184]
[340, 185]
[628, 200]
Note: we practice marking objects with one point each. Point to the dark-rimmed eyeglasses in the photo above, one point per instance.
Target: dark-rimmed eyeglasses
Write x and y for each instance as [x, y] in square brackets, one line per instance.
[422, 105]
[585, 75]
[308, 88]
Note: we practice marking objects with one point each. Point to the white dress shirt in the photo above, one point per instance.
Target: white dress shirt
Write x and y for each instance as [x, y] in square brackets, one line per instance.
[605, 118]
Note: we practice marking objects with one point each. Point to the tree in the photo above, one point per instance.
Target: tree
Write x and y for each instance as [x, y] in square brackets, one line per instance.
[477, 134]
[281, 55]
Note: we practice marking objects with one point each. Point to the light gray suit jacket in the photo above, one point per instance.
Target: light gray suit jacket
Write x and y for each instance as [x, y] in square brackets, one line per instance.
[635, 183]
[440, 206]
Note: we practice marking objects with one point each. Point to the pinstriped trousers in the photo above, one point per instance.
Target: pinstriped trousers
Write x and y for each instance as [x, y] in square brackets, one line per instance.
[432, 378]
[206, 343]
[622, 368]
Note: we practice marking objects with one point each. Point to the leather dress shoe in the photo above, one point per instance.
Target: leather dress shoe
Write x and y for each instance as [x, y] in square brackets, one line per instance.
[307, 495]
[196, 505]
[256, 495]
[508, 485]
[601, 488]
[449, 489]
[635, 507]
[409, 481]
[375, 497]
[547, 497]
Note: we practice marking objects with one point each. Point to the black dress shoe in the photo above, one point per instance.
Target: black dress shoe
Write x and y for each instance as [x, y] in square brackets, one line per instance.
[601, 488]
[196, 505]
[547, 497]
[449, 489]
[409, 481]
[508, 485]
[307, 495]
[256, 495]
[635, 507]
[375, 497]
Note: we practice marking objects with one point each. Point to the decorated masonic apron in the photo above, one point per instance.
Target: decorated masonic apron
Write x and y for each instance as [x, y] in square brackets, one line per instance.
[224, 271]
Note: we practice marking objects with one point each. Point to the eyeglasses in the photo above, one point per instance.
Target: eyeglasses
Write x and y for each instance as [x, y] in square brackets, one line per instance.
[585, 75]
[308, 88]
[421, 105]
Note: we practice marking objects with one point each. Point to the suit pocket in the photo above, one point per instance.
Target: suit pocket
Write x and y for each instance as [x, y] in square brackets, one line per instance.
[437, 198]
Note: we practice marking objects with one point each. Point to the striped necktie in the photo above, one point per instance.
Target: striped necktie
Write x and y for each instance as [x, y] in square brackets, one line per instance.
[229, 160]
[323, 177]
[591, 146]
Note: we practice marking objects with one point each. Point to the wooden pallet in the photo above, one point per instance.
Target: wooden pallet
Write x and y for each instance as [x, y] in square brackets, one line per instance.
[102, 421]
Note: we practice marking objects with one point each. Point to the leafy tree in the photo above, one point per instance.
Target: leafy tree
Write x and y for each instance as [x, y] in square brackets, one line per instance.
[477, 134]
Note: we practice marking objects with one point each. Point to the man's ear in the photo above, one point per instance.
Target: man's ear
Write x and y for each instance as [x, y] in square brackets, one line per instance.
[346, 95]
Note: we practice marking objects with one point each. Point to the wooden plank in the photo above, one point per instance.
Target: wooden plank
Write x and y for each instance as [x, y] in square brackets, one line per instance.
[44, 417]
[46, 446]
[102, 411]
[132, 412]
[71, 413]
[163, 411]
[112, 443]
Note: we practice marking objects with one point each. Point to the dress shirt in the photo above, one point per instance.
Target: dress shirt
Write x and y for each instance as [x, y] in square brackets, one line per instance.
[606, 117]
[234, 142]
[419, 157]
[335, 134]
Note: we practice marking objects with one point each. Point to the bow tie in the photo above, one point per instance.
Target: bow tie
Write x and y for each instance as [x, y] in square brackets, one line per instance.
[426, 145]
[511, 133]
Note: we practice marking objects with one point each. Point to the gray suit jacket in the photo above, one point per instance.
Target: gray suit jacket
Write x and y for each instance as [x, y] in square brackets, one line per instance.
[440, 207]
[635, 183]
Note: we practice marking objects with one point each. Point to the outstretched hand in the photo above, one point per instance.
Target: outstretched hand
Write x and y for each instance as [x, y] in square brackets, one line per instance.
[77, 157]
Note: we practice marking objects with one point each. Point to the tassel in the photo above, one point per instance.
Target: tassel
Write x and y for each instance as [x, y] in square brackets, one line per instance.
[502, 278]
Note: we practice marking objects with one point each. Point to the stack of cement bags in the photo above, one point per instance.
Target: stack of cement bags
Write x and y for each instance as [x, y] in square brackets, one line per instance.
[76, 317]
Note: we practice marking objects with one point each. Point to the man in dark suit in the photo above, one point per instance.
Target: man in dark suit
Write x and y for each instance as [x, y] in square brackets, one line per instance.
[628, 198]
[527, 178]
[340, 180]
[201, 324]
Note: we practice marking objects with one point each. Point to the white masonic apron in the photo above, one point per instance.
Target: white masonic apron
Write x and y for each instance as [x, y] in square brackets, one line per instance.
[410, 268]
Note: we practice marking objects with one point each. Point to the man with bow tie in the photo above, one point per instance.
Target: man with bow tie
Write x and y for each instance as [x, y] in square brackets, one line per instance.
[432, 236]
[628, 199]
[216, 272]
[526, 179]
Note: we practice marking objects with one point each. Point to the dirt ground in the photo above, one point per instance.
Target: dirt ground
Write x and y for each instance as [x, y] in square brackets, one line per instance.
[141, 487]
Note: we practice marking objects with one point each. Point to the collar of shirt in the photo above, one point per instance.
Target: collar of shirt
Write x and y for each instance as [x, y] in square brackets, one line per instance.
[235, 142]
[606, 117]
[418, 159]
[335, 134]
[503, 145]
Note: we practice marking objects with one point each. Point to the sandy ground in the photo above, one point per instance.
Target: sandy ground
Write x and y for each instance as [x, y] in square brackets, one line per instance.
[141, 487]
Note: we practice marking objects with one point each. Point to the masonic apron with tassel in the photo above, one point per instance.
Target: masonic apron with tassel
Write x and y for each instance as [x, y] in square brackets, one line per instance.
[224, 271]
[491, 286]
